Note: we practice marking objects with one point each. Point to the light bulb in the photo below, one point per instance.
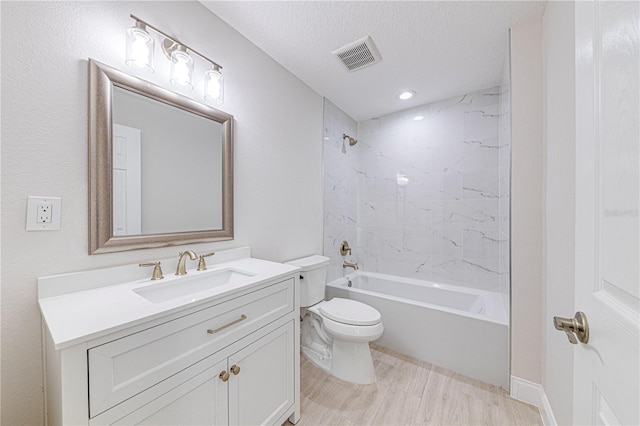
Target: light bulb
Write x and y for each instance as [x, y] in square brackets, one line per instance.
[139, 48]
[181, 68]
[214, 86]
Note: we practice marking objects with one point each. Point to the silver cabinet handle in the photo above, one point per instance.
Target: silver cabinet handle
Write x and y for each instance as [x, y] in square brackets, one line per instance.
[242, 318]
[576, 326]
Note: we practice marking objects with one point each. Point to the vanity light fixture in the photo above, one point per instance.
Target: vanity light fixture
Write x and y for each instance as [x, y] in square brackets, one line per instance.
[214, 85]
[407, 94]
[140, 47]
[181, 68]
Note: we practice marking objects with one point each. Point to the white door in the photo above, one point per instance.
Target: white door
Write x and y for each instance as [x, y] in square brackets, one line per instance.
[127, 192]
[607, 368]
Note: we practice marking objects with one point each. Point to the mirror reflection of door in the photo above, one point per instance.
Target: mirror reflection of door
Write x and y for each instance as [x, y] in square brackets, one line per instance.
[127, 200]
[180, 159]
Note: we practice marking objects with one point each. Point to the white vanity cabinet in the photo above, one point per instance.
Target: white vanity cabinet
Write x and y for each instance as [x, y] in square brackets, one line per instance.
[232, 360]
[261, 392]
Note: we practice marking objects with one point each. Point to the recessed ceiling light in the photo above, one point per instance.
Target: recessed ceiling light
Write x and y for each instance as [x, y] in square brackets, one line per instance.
[418, 118]
[407, 94]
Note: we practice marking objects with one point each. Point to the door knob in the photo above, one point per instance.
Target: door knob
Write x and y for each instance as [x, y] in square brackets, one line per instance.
[224, 376]
[235, 369]
[576, 326]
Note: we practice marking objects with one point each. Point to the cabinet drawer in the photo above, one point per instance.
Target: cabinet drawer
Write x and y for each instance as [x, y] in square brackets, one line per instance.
[122, 368]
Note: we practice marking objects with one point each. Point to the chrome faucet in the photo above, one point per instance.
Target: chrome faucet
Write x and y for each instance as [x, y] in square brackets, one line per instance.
[182, 269]
[346, 264]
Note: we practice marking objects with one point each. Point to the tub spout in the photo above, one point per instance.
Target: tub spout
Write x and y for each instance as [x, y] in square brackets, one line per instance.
[346, 264]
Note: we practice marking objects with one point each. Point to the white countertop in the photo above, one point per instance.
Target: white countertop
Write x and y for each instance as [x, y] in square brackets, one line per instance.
[80, 316]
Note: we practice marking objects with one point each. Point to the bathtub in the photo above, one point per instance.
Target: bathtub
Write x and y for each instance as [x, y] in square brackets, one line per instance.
[458, 328]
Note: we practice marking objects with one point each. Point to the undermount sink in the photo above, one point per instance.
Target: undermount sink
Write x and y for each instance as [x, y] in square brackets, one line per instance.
[187, 285]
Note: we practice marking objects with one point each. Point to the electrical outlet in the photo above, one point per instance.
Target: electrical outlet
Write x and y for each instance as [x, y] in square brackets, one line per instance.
[43, 213]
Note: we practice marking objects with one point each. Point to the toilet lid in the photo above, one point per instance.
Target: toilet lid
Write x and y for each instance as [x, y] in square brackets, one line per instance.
[350, 312]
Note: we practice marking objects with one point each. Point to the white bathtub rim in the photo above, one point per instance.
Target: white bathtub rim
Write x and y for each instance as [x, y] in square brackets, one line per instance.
[449, 287]
[340, 283]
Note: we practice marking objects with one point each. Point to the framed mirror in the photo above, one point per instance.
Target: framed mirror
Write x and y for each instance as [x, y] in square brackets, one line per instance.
[160, 166]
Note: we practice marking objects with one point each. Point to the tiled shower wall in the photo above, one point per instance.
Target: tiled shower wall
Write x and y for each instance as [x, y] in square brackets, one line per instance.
[428, 192]
[340, 212]
[426, 197]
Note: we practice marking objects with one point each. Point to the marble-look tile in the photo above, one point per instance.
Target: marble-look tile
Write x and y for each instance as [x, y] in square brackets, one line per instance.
[480, 184]
[382, 239]
[417, 240]
[340, 186]
[417, 214]
[466, 155]
[482, 122]
[406, 264]
[443, 186]
[447, 242]
[464, 214]
[476, 273]
[504, 253]
[367, 259]
[383, 213]
[376, 188]
[504, 213]
[424, 199]
[483, 244]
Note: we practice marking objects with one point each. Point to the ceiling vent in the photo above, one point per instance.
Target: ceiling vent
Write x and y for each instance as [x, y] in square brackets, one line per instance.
[359, 54]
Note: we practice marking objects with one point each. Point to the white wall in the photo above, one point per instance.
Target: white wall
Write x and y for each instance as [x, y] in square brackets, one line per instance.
[526, 201]
[45, 45]
[559, 225]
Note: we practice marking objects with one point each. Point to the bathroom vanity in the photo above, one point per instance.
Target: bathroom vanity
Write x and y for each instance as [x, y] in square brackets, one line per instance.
[212, 347]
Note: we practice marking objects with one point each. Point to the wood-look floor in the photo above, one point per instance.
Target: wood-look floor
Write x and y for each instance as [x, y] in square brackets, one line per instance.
[408, 392]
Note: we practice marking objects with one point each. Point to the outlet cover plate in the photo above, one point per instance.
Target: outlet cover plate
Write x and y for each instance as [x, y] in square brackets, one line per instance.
[32, 213]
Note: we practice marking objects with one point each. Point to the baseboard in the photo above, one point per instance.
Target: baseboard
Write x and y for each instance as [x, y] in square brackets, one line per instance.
[533, 393]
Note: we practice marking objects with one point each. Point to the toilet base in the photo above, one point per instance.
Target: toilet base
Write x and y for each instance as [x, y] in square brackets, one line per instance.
[352, 362]
[348, 360]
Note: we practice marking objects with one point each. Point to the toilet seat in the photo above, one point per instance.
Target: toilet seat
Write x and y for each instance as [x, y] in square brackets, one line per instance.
[350, 312]
[352, 333]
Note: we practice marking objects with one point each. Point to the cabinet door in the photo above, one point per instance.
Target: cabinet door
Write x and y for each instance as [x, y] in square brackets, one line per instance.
[263, 388]
[202, 400]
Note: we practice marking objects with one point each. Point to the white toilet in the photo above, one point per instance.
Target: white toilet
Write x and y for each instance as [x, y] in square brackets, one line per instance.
[335, 333]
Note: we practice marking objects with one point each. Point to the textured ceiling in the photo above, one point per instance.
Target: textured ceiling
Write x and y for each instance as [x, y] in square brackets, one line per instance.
[439, 49]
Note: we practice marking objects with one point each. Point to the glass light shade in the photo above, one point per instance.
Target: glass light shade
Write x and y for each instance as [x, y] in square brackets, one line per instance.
[139, 49]
[214, 86]
[181, 69]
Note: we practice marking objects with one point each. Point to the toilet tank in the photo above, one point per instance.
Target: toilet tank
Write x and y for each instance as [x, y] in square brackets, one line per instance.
[313, 273]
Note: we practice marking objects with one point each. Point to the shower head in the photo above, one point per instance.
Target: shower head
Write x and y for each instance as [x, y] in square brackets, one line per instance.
[352, 141]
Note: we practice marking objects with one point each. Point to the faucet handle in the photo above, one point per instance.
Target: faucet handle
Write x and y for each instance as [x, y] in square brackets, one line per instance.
[202, 266]
[157, 270]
